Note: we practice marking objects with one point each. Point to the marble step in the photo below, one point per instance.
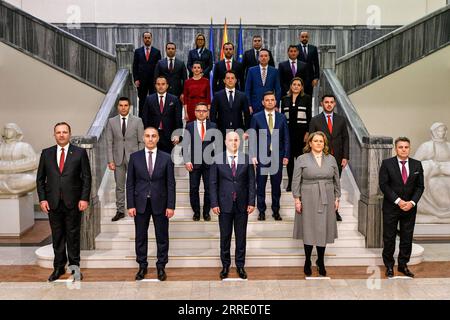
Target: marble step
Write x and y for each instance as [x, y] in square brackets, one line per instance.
[209, 240]
[126, 225]
[255, 257]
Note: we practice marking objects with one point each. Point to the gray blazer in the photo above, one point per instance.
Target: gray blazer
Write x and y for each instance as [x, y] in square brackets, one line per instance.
[120, 146]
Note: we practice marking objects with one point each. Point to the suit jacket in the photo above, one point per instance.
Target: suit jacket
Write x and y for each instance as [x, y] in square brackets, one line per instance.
[222, 184]
[284, 68]
[120, 147]
[160, 186]
[143, 70]
[194, 141]
[259, 122]
[338, 141]
[70, 186]
[254, 88]
[312, 60]
[206, 58]
[249, 60]
[220, 69]
[392, 186]
[230, 118]
[170, 117]
[176, 77]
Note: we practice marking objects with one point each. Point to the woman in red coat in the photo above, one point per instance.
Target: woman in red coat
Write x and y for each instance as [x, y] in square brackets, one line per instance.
[196, 89]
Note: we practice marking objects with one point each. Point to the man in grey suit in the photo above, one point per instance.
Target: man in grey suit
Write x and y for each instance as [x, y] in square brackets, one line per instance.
[124, 134]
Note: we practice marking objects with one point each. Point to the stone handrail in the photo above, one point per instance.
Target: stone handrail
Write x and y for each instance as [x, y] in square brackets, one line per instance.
[394, 50]
[56, 48]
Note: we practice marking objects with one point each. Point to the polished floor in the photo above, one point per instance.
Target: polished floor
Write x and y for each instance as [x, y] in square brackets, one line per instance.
[21, 278]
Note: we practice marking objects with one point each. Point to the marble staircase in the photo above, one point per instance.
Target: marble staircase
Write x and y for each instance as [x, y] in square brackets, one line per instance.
[196, 243]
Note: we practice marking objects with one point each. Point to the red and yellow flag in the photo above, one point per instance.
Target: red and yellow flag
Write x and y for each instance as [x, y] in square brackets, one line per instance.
[224, 40]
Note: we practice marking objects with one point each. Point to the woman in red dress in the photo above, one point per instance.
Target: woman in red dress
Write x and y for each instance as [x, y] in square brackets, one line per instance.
[196, 89]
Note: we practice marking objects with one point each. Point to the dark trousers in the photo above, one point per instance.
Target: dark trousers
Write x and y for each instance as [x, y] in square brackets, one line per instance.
[161, 224]
[145, 88]
[226, 222]
[290, 170]
[275, 182]
[390, 222]
[199, 172]
[65, 225]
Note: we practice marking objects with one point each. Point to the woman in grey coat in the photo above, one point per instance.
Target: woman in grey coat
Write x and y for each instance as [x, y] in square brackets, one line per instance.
[316, 190]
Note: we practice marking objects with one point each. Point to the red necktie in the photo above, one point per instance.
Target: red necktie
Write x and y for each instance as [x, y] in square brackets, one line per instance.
[161, 108]
[330, 125]
[203, 131]
[404, 172]
[61, 161]
[228, 65]
[147, 53]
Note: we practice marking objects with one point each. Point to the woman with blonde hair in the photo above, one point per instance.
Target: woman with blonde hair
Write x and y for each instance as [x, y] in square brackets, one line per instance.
[316, 190]
[297, 108]
[201, 54]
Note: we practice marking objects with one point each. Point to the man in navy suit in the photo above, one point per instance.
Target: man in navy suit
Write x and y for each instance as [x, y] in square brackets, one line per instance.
[229, 108]
[229, 63]
[292, 68]
[144, 63]
[194, 145]
[260, 79]
[162, 110]
[309, 55]
[232, 186]
[271, 154]
[251, 56]
[151, 193]
[401, 181]
[173, 69]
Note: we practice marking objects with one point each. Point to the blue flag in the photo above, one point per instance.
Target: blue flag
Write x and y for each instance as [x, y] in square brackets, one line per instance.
[211, 47]
[240, 51]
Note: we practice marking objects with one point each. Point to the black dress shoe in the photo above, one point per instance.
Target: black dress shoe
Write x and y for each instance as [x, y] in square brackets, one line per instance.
[241, 272]
[224, 273]
[405, 271]
[307, 268]
[262, 216]
[196, 217]
[277, 216]
[56, 274]
[118, 216]
[338, 216]
[389, 272]
[140, 275]
[321, 268]
[207, 217]
[162, 274]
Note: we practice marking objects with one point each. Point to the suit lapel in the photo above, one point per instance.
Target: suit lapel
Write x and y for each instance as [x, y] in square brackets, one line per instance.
[68, 158]
[144, 162]
[53, 156]
[397, 169]
[325, 124]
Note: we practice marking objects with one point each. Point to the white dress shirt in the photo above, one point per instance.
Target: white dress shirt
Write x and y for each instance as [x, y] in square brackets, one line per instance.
[126, 120]
[58, 153]
[168, 62]
[407, 173]
[295, 64]
[199, 127]
[326, 117]
[229, 160]
[231, 63]
[228, 93]
[147, 150]
[267, 117]
[267, 70]
[164, 97]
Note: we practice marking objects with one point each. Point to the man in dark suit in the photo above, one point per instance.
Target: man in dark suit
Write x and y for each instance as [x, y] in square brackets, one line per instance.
[229, 63]
[144, 63]
[402, 183]
[63, 184]
[260, 79]
[173, 69]
[335, 128]
[232, 186]
[310, 55]
[195, 140]
[151, 193]
[270, 154]
[162, 110]
[292, 68]
[229, 108]
[251, 57]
